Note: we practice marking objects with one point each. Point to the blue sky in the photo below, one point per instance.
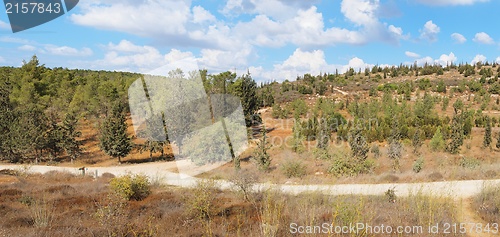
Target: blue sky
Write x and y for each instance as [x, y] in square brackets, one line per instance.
[273, 39]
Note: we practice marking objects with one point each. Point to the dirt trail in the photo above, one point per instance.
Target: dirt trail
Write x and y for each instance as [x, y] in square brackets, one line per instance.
[469, 215]
[162, 172]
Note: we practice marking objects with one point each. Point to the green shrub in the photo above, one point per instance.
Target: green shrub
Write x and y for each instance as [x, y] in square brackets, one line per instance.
[293, 169]
[350, 167]
[130, 187]
[418, 165]
[375, 151]
[437, 141]
[469, 163]
[321, 154]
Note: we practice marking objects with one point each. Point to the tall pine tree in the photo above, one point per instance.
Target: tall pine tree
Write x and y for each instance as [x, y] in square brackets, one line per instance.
[487, 133]
[114, 140]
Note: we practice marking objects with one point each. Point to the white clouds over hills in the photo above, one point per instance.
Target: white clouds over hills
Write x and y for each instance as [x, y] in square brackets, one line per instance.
[222, 43]
[239, 33]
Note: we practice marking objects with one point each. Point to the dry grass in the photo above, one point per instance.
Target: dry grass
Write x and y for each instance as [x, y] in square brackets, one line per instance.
[59, 204]
[487, 203]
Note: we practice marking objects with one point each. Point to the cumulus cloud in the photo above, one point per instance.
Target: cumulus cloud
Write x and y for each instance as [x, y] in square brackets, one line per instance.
[446, 60]
[128, 47]
[130, 57]
[27, 47]
[360, 12]
[483, 38]
[201, 15]
[412, 54]
[67, 51]
[430, 31]
[302, 62]
[478, 58]
[497, 60]
[458, 38]
[141, 18]
[276, 9]
[450, 2]
[443, 60]
[274, 23]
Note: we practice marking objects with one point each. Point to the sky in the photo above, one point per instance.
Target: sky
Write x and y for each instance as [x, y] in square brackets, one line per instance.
[272, 39]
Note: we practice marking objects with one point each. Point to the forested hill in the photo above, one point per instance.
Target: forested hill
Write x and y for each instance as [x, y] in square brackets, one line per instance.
[41, 107]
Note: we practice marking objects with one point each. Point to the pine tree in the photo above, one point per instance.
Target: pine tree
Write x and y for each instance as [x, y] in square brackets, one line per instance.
[246, 89]
[416, 142]
[298, 138]
[261, 156]
[69, 143]
[114, 140]
[395, 146]
[323, 134]
[437, 141]
[457, 135]
[358, 144]
[487, 134]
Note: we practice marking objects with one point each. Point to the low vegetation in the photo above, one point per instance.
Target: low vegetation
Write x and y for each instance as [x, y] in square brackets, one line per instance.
[59, 204]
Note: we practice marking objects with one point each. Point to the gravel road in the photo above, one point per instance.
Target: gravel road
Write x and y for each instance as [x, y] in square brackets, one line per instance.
[159, 171]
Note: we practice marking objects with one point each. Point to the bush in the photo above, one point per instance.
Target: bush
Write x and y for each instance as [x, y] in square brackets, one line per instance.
[469, 163]
[418, 165]
[293, 169]
[130, 187]
[437, 141]
[375, 151]
[390, 194]
[350, 167]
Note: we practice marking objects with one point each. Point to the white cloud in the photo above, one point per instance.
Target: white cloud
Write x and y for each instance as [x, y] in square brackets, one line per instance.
[497, 60]
[459, 38]
[142, 18]
[356, 64]
[128, 47]
[478, 58]
[275, 9]
[201, 15]
[275, 23]
[4, 25]
[430, 31]
[14, 40]
[361, 12]
[302, 62]
[67, 51]
[2, 60]
[27, 47]
[305, 29]
[483, 38]
[128, 56]
[443, 60]
[221, 60]
[412, 54]
[446, 60]
[450, 2]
